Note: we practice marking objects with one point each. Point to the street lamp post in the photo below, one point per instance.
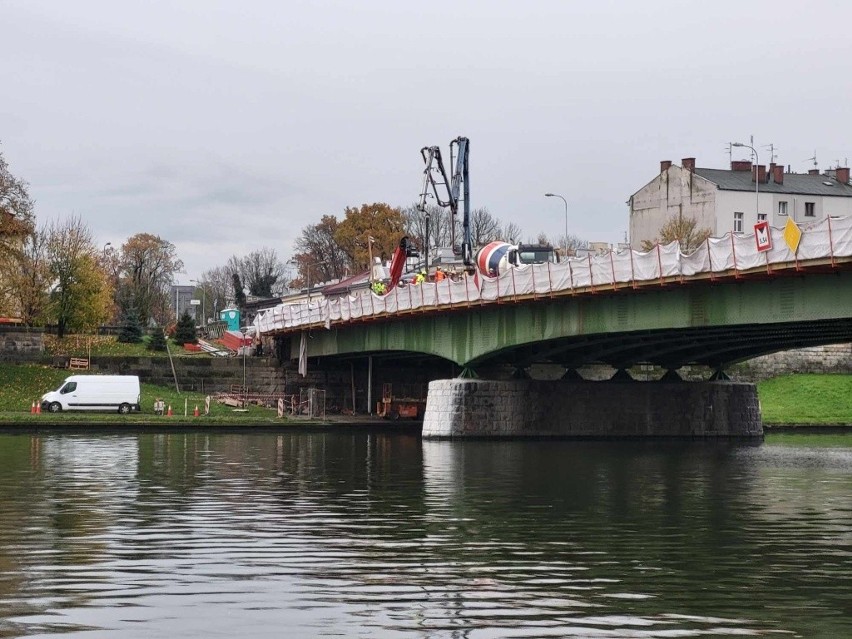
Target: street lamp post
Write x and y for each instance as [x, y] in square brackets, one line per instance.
[203, 300]
[565, 202]
[370, 240]
[756, 180]
[308, 268]
[244, 331]
[104, 262]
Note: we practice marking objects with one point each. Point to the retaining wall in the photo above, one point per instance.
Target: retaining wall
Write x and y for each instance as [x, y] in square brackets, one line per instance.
[834, 358]
[528, 408]
[21, 345]
[204, 374]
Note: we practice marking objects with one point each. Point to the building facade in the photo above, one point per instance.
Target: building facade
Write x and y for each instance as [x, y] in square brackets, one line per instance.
[735, 199]
[181, 298]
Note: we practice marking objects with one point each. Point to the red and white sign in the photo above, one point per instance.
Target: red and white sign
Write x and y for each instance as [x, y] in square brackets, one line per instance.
[762, 236]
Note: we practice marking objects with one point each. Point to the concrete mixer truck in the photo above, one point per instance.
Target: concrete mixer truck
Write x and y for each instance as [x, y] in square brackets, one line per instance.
[497, 257]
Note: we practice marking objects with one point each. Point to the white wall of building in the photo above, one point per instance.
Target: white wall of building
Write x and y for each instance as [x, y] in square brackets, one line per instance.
[674, 192]
[678, 191]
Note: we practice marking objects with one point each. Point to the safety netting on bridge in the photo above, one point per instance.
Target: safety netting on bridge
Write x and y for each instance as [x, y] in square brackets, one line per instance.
[731, 254]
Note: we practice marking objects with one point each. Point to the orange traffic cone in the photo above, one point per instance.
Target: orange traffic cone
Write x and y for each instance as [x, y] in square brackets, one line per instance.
[32, 408]
[196, 411]
[169, 412]
[38, 408]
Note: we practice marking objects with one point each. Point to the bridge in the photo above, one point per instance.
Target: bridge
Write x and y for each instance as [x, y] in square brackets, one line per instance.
[723, 303]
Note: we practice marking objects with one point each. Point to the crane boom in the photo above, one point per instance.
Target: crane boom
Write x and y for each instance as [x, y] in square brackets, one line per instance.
[435, 178]
[461, 145]
[434, 164]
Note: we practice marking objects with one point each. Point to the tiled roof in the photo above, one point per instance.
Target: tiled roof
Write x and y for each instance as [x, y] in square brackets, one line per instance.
[794, 183]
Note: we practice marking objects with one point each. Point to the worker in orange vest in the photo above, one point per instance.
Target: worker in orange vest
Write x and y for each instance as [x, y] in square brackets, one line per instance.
[439, 274]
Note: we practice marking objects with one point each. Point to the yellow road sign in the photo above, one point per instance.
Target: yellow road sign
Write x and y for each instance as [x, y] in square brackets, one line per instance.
[792, 235]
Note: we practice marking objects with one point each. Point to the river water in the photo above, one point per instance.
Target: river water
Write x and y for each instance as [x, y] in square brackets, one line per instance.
[377, 534]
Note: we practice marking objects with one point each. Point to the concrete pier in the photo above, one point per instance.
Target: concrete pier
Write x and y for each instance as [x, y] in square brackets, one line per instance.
[459, 408]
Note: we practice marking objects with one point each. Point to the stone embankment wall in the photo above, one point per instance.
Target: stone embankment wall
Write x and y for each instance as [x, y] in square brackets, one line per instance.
[529, 408]
[834, 358]
[21, 346]
[202, 375]
[210, 375]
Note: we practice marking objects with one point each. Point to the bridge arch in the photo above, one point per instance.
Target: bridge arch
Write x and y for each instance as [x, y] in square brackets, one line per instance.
[713, 323]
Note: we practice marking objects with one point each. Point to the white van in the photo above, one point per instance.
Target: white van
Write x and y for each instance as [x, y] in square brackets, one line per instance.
[95, 392]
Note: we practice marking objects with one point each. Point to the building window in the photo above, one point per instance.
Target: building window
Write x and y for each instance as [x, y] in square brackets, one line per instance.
[761, 217]
[810, 209]
[782, 207]
[738, 222]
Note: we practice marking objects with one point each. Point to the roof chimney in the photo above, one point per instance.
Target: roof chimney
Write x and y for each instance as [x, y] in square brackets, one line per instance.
[759, 170]
[778, 174]
[813, 172]
[664, 165]
[688, 164]
[740, 165]
[843, 175]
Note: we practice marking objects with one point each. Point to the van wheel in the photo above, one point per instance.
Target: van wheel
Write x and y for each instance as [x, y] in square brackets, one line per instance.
[54, 407]
[123, 409]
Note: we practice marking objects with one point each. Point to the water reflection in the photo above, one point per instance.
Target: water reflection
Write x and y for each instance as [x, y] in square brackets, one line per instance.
[306, 535]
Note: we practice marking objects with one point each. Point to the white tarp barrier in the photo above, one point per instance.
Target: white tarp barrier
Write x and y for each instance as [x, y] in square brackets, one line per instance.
[831, 237]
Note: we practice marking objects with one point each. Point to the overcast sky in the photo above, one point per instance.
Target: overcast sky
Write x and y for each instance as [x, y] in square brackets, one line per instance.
[225, 127]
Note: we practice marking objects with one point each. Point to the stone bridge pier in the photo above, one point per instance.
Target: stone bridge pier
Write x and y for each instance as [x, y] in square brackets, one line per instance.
[459, 408]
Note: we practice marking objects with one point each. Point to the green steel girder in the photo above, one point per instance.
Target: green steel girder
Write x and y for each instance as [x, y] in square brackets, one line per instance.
[712, 346]
[706, 322]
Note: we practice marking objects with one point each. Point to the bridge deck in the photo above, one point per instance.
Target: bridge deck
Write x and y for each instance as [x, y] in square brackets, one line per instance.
[824, 246]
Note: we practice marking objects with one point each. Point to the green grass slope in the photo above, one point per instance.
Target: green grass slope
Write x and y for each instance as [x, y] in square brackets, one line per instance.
[806, 399]
[21, 385]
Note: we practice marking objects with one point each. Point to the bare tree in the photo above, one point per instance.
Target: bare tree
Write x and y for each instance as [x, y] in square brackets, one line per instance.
[260, 271]
[572, 243]
[440, 228]
[683, 229]
[484, 227]
[510, 232]
[218, 287]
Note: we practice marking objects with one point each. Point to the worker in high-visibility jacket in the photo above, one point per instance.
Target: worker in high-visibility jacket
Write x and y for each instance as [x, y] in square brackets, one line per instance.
[379, 287]
[420, 277]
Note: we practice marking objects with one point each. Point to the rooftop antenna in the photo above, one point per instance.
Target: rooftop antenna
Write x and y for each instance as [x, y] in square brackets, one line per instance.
[814, 158]
[730, 149]
[772, 152]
